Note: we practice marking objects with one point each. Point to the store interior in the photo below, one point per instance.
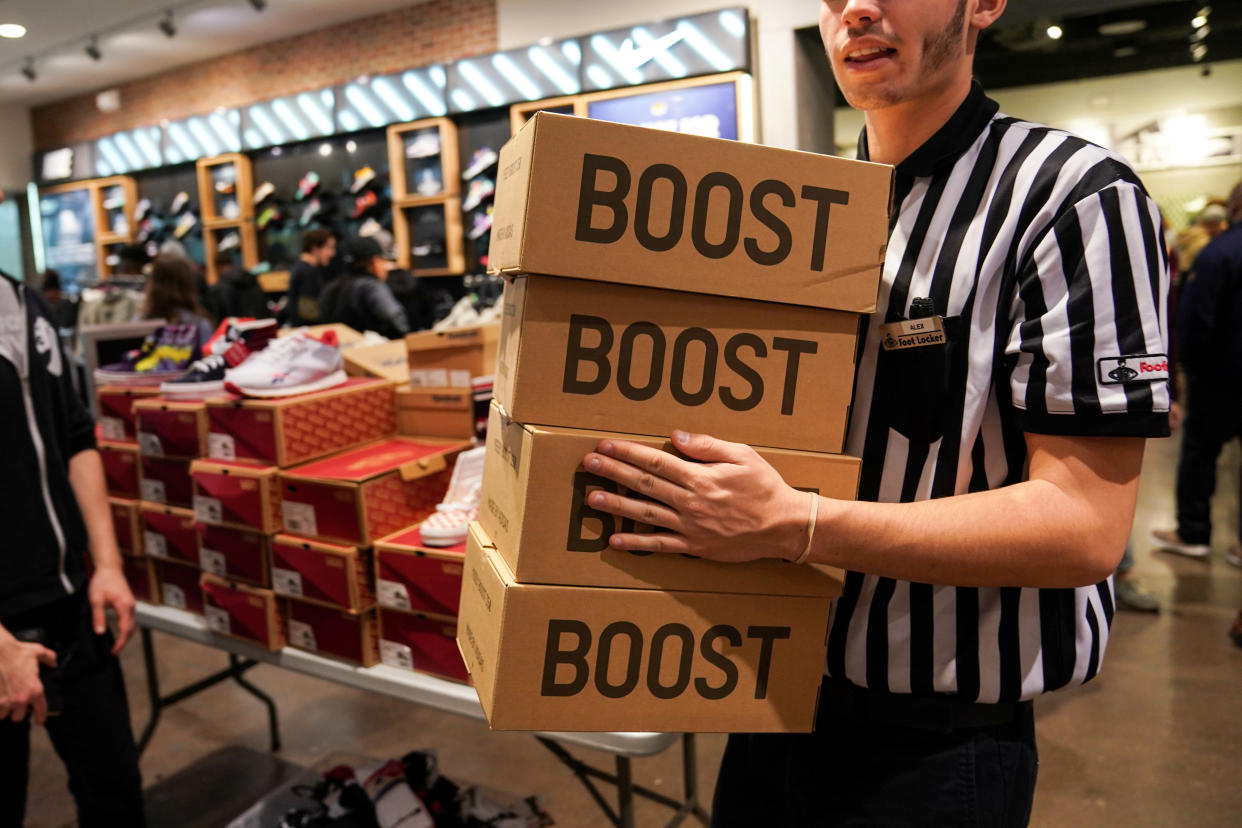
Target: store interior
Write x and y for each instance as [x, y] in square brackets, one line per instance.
[231, 128]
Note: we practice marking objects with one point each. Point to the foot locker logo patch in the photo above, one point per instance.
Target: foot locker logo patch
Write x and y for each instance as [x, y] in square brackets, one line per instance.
[1141, 368]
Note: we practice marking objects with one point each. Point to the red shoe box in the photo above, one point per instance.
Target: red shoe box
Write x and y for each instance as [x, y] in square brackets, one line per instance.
[324, 573]
[168, 533]
[179, 586]
[352, 636]
[423, 643]
[235, 554]
[120, 462]
[359, 496]
[165, 480]
[236, 494]
[168, 428]
[140, 573]
[291, 430]
[242, 611]
[126, 525]
[116, 414]
[413, 577]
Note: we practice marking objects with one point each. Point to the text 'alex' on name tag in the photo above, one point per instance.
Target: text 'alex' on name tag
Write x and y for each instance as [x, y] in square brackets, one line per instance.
[913, 333]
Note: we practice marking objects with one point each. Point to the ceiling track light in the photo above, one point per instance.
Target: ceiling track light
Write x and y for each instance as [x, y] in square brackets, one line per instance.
[92, 48]
[167, 25]
[258, 5]
[28, 70]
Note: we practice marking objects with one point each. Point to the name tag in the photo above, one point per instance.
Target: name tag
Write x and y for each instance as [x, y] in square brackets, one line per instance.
[913, 333]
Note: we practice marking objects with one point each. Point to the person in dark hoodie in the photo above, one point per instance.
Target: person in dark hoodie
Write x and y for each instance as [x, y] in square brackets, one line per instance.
[236, 292]
[361, 297]
[58, 664]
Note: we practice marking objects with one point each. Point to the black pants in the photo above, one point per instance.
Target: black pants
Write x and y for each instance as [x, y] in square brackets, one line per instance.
[1212, 420]
[862, 769]
[91, 733]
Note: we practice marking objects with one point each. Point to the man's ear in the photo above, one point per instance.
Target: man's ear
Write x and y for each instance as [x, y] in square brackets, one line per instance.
[985, 13]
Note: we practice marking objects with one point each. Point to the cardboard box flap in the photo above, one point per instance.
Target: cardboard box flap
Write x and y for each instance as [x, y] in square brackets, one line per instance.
[235, 468]
[453, 338]
[387, 360]
[410, 541]
[161, 404]
[253, 402]
[412, 458]
[317, 545]
[440, 399]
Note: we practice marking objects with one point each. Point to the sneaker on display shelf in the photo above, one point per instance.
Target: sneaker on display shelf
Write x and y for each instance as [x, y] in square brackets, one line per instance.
[447, 525]
[364, 202]
[142, 208]
[480, 162]
[307, 185]
[1170, 541]
[459, 316]
[482, 223]
[120, 226]
[180, 200]
[232, 343]
[312, 209]
[295, 364]
[369, 228]
[114, 202]
[429, 183]
[267, 217]
[435, 247]
[231, 209]
[184, 225]
[263, 191]
[480, 189]
[164, 354]
[362, 178]
[425, 144]
[229, 242]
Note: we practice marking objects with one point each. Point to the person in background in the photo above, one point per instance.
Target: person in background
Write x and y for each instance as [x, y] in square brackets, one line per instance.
[236, 291]
[175, 248]
[1209, 337]
[361, 297]
[58, 664]
[64, 312]
[131, 259]
[170, 295]
[308, 276]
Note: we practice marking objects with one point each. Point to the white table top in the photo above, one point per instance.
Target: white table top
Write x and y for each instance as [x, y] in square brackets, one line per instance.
[420, 688]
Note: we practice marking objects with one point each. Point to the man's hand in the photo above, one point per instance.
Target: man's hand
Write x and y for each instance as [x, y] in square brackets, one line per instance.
[110, 589]
[20, 688]
[730, 506]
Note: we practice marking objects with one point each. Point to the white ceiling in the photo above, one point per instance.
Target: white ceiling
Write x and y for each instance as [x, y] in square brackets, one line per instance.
[133, 46]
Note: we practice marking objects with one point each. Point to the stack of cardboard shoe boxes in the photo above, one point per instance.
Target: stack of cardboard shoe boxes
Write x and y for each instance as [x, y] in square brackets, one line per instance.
[661, 281]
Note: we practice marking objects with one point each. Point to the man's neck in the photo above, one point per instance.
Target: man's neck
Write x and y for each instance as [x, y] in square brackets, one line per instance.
[310, 260]
[895, 132]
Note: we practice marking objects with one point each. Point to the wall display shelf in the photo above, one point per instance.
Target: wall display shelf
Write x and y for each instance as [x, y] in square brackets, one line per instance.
[98, 212]
[520, 113]
[225, 188]
[236, 237]
[426, 186]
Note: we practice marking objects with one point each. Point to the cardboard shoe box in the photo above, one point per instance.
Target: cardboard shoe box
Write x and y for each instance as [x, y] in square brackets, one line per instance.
[235, 554]
[166, 480]
[534, 508]
[359, 496]
[120, 462]
[140, 575]
[594, 200]
[126, 525]
[168, 428]
[352, 636]
[116, 411]
[168, 533]
[442, 413]
[324, 573]
[386, 360]
[236, 494]
[559, 658]
[413, 577]
[242, 611]
[452, 358]
[421, 642]
[647, 361]
[179, 586]
[290, 430]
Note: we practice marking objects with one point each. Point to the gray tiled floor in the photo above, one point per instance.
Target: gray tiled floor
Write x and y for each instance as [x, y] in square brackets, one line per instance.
[1153, 742]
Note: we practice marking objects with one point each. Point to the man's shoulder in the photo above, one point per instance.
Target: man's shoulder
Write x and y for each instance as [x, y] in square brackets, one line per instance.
[1084, 166]
[1225, 249]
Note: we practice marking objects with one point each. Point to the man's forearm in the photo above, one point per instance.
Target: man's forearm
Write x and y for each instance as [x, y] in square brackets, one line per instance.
[86, 475]
[1031, 534]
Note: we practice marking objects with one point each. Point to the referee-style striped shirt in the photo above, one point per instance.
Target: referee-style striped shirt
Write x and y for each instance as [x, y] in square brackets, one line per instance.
[1043, 253]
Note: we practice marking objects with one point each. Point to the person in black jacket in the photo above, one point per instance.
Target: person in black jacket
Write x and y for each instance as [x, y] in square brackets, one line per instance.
[307, 277]
[1209, 342]
[58, 665]
[236, 292]
[361, 298]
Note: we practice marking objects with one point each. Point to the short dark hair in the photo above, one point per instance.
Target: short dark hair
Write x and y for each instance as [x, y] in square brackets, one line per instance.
[223, 258]
[312, 240]
[51, 279]
[170, 288]
[131, 258]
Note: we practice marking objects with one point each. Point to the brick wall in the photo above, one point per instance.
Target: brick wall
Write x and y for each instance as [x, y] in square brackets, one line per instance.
[432, 32]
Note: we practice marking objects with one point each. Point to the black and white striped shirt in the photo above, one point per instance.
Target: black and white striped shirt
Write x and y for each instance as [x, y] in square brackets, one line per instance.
[1044, 254]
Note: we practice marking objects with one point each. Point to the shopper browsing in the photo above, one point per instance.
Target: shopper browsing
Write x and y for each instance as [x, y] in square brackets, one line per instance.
[306, 279]
[361, 297]
[58, 665]
[999, 468]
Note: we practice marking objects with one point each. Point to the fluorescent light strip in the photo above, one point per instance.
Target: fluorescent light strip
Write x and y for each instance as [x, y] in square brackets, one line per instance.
[290, 119]
[362, 102]
[438, 76]
[471, 74]
[572, 52]
[114, 159]
[349, 121]
[201, 134]
[516, 78]
[463, 100]
[671, 64]
[265, 123]
[732, 23]
[433, 103]
[226, 132]
[392, 99]
[318, 111]
[126, 145]
[604, 48]
[546, 64]
[148, 142]
[599, 76]
[36, 226]
[699, 42]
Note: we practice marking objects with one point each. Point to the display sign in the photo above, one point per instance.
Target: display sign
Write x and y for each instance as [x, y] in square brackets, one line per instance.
[707, 111]
[68, 225]
[202, 136]
[668, 50]
[391, 99]
[529, 74]
[291, 118]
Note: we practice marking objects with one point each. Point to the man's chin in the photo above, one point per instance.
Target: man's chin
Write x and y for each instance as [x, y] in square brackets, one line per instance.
[871, 98]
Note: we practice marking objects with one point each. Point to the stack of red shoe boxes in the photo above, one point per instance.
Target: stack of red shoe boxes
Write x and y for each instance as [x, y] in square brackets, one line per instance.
[118, 448]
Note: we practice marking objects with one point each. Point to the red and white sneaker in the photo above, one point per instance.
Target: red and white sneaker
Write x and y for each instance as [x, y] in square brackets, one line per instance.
[447, 525]
[295, 364]
[233, 342]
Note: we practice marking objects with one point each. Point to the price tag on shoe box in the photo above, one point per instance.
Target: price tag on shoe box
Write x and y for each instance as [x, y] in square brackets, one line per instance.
[287, 582]
[301, 635]
[300, 518]
[207, 509]
[153, 490]
[212, 561]
[217, 620]
[221, 446]
[154, 544]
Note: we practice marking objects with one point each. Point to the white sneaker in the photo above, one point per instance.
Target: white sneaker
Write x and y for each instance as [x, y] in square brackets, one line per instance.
[447, 525]
[459, 316]
[295, 364]
[1169, 541]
